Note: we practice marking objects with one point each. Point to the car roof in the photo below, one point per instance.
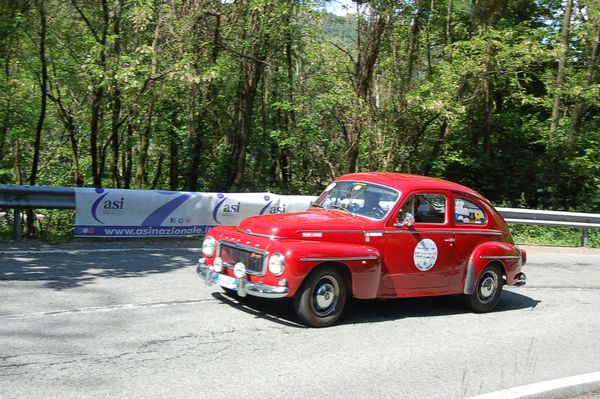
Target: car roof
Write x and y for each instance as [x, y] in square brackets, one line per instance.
[406, 182]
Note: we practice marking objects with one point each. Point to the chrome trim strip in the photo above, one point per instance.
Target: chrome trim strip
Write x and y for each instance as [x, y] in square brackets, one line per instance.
[478, 233]
[349, 258]
[481, 233]
[501, 257]
[250, 232]
[330, 231]
[484, 233]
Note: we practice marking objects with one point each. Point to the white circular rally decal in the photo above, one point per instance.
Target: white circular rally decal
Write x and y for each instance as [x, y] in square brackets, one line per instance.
[425, 254]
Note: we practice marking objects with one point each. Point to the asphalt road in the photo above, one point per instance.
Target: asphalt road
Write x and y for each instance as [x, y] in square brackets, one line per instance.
[132, 319]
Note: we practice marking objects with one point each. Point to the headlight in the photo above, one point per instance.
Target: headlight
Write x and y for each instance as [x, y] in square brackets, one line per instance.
[208, 246]
[277, 264]
[239, 270]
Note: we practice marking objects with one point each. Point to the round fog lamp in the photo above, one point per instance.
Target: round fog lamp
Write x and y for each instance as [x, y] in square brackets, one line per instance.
[277, 264]
[239, 270]
[218, 265]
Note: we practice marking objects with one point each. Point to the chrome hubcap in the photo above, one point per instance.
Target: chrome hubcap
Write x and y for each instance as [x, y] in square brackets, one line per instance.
[488, 287]
[325, 296]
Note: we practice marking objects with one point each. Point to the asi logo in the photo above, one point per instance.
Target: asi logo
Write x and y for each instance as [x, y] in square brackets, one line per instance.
[271, 210]
[113, 204]
[225, 208]
[106, 205]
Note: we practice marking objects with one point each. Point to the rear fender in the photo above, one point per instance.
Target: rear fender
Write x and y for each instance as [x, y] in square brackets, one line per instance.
[507, 255]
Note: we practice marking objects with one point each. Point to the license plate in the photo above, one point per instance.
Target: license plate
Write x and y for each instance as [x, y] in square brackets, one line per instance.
[225, 281]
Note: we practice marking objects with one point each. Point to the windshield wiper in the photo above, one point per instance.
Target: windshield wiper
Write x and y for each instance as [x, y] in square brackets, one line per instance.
[314, 204]
[341, 208]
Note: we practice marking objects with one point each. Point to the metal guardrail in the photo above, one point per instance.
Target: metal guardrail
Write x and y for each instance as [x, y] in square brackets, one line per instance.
[553, 218]
[40, 197]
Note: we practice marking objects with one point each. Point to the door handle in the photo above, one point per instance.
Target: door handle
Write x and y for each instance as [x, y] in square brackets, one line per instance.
[450, 240]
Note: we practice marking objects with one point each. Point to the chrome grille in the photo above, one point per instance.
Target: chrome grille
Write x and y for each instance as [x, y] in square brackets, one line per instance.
[232, 253]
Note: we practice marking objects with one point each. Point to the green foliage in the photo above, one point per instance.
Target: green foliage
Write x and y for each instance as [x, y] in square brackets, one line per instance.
[176, 86]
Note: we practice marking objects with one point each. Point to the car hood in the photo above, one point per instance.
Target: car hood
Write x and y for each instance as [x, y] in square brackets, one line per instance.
[291, 225]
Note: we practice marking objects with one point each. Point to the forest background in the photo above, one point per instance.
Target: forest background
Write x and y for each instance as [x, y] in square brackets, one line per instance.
[283, 96]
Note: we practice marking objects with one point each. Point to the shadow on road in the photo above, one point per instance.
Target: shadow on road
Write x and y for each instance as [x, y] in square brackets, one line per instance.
[63, 270]
[373, 310]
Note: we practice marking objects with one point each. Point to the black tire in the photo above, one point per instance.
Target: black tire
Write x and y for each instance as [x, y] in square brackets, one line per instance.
[321, 299]
[487, 290]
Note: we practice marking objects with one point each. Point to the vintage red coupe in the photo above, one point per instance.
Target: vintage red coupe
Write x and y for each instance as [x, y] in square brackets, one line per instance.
[369, 235]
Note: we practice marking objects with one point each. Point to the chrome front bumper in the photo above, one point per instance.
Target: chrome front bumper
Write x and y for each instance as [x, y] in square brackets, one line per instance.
[245, 287]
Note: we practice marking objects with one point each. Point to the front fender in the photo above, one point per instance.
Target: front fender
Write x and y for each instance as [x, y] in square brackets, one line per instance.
[505, 254]
[362, 262]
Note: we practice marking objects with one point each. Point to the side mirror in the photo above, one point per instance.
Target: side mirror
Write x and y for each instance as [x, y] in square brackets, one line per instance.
[405, 219]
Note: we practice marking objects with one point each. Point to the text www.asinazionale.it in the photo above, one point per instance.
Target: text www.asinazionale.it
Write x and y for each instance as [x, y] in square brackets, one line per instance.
[122, 231]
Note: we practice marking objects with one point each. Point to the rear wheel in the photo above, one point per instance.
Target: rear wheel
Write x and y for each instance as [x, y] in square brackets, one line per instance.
[487, 291]
[322, 297]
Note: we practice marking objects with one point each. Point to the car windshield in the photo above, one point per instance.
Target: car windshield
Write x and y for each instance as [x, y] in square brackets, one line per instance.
[359, 198]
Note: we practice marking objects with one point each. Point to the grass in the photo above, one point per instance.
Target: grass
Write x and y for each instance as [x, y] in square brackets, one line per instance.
[556, 236]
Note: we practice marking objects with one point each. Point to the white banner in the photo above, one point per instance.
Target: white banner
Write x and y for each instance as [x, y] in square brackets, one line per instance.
[143, 213]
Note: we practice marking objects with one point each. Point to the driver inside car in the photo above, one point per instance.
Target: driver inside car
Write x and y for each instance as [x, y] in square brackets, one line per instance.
[371, 207]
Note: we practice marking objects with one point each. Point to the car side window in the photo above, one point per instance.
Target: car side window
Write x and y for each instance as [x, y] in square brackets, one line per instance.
[467, 212]
[426, 208]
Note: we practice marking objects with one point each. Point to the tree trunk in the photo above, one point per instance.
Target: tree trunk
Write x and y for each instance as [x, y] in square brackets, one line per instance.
[98, 95]
[116, 102]
[128, 158]
[142, 165]
[42, 116]
[8, 104]
[158, 175]
[195, 120]
[368, 52]
[198, 102]
[115, 124]
[173, 160]
[252, 72]
[43, 93]
[449, 30]
[562, 62]
[251, 69]
[413, 46]
[68, 120]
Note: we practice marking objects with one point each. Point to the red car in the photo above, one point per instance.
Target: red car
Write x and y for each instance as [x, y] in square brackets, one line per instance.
[369, 235]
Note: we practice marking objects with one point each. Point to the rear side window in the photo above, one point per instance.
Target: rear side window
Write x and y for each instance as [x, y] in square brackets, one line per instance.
[467, 212]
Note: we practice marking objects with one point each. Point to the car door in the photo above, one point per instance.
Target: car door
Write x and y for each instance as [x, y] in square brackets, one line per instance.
[420, 257]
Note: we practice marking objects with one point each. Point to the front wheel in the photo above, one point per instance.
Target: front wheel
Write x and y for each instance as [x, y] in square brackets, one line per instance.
[322, 297]
[487, 291]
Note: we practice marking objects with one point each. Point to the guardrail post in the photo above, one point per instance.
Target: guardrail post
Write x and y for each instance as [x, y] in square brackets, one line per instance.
[585, 236]
[17, 232]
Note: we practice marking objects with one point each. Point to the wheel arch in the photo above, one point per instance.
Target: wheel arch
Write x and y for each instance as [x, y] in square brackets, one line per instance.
[344, 268]
[474, 271]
